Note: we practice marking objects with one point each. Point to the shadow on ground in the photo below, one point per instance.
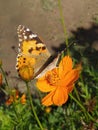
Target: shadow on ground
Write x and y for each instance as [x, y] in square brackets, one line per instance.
[89, 35]
[86, 44]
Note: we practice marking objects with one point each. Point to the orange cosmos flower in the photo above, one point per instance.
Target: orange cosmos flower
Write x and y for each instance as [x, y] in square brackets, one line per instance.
[59, 82]
[15, 97]
[0, 79]
[9, 101]
[23, 99]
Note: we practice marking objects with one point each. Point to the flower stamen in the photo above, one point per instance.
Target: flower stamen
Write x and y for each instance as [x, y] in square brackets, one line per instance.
[53, 77]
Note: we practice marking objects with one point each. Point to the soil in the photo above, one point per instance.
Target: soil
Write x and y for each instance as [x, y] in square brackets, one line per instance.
[43, 18]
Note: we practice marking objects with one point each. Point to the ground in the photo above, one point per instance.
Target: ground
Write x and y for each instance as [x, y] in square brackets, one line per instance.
[43, 18]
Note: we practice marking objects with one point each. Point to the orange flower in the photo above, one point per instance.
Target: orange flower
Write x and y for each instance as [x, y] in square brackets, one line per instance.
[0, 79]
[14, 97]
[48, 109]
[10, 100]
[23, 99]
[59, 82]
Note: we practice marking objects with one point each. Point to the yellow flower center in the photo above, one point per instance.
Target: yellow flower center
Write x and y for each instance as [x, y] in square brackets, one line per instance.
[52, 77]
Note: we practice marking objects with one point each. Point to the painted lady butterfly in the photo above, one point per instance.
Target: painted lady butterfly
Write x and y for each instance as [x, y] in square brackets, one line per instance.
[32, 53]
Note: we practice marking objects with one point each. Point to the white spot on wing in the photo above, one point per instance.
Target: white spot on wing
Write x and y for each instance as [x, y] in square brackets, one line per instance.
[19, 50]
[32, 36]
[25, 37]
[27, 29]
[19, 45]
[19, 35]
[20, 40]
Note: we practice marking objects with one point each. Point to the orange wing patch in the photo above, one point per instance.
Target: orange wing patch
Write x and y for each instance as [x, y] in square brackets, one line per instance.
[25, 61]
[31, 47]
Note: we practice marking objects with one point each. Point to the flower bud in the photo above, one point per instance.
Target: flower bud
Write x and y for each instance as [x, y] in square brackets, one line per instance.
[26, 73]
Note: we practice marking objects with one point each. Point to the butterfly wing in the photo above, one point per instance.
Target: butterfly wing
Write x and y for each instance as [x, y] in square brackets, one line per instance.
[51, 63]
[32, 50]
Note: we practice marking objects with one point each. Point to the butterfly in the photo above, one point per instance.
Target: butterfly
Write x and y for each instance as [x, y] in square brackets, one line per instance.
[33, 53]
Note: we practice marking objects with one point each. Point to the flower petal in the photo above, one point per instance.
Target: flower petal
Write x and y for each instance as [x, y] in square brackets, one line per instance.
[70, 88]
[65, 65]
[60, 96]
[69, 78]
[47, 100]
[44, 86]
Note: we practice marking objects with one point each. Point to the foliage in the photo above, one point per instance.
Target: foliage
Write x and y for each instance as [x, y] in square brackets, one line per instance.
[80, 112]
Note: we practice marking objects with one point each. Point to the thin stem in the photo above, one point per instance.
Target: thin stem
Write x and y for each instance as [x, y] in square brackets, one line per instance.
[77, 102]
[63, 24]
[3, 91]
[32, 106]
[82, 107]
[76, 92]
[17, 115]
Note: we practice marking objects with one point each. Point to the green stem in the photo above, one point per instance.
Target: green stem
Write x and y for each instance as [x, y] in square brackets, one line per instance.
[82, 107]
[76, 92]
[63, 24]
[3, 91]
[32, 106]
[17, 115]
